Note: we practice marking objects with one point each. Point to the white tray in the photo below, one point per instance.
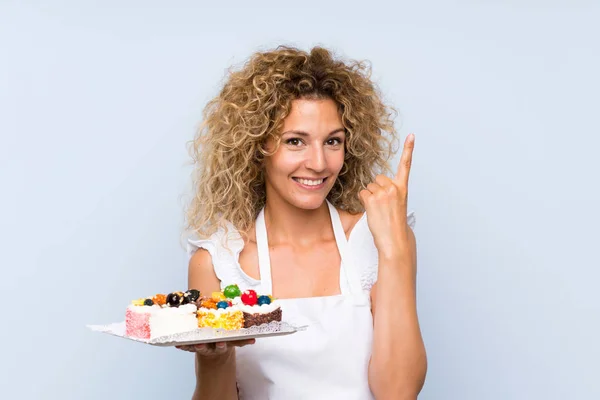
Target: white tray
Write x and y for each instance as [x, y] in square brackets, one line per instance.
[204, 335]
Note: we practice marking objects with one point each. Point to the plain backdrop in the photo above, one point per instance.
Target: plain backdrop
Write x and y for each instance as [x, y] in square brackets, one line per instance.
[99, 99]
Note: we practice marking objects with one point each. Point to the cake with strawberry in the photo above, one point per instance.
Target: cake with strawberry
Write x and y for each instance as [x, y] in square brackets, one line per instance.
[234, 309]
[162, 315]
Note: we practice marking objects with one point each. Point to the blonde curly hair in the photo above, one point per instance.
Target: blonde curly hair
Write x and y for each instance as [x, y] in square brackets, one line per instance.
[229, 147]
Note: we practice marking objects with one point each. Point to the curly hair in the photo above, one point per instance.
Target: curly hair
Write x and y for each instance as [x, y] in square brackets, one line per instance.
[229, 147]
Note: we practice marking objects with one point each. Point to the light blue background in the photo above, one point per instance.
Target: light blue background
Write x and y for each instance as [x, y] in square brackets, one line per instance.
[97, 102]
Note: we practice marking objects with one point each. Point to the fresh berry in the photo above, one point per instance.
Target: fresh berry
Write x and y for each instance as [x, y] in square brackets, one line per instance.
[263, 300]
[148, 302]
[192, 295]
[232, 291]
[249, 297]
[222, 304]
[173, 299]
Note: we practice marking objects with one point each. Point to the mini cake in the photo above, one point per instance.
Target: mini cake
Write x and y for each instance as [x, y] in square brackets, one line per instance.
[258, 310]
[232, 309]
[162, 315]
[218, 312]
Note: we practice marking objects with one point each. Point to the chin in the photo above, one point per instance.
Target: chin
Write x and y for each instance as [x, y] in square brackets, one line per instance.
[307, 202]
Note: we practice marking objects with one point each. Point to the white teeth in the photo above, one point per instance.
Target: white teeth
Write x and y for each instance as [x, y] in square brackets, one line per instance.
[310, 182]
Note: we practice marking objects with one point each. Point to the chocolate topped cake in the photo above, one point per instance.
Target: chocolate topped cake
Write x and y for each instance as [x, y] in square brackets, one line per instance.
[261, 317]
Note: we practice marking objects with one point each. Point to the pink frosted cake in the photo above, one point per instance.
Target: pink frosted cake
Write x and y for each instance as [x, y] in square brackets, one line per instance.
[162, 315]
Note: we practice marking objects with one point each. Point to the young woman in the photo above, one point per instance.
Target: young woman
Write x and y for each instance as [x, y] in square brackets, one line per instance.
[292, 199]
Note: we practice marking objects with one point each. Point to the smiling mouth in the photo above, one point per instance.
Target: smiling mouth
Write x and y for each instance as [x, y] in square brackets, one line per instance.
[310, 182]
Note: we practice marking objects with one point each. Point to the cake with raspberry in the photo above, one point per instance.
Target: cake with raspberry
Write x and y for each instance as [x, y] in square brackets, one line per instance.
[162, 315]
[234, 309]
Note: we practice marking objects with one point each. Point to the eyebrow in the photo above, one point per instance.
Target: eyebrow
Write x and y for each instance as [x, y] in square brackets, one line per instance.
[302, 133]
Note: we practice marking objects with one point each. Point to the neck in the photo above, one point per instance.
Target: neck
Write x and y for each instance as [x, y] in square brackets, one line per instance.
[288, 224]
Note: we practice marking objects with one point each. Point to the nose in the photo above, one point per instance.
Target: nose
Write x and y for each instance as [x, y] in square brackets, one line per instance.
[316, 160]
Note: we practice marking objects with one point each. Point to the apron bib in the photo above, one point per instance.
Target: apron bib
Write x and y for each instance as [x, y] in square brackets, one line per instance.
[330, 359]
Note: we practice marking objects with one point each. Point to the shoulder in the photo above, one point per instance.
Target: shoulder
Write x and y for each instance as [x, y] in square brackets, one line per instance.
[224, 240]
[217, 257]
[201, 274]
[215, 252]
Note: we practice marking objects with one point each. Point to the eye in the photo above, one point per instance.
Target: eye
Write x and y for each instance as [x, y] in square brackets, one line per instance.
[293, 142]
[334, 141]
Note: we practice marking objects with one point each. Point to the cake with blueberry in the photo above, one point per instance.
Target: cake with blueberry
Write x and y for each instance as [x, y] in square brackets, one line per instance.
[258, 309]
[162, 315]
[234, 309]
[217, 311]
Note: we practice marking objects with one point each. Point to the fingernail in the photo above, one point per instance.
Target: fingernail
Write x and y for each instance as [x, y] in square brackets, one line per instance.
[221, 345]
[200, 346]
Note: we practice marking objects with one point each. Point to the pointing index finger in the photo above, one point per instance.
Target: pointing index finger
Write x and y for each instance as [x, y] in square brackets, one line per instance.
[405, 160]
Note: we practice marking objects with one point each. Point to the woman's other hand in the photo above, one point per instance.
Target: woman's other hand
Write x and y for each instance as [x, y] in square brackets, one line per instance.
[210, 350]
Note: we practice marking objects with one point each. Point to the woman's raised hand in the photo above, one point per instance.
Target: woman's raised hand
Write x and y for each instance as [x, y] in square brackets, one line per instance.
[385, 202]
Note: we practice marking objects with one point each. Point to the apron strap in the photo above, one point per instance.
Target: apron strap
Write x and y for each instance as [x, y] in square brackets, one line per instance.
[348, 267]
[264, 260]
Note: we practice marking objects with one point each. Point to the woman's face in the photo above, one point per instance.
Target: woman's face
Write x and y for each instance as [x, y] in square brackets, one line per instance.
[310, 157]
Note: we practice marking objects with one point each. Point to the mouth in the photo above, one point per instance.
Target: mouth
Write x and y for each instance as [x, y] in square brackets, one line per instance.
[311, 184]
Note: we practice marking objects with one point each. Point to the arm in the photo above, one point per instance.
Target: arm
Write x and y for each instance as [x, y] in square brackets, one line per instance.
[215, 375]
[398, 362]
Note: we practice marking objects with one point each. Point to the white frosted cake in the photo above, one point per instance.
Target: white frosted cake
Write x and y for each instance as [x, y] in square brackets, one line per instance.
[162, 315]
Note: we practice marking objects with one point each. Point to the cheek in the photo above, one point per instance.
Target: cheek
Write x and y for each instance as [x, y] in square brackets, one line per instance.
[337, 162]
[280, 164]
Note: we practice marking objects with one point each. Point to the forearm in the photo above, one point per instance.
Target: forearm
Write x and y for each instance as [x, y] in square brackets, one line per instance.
[398, 362]
[215, 377]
